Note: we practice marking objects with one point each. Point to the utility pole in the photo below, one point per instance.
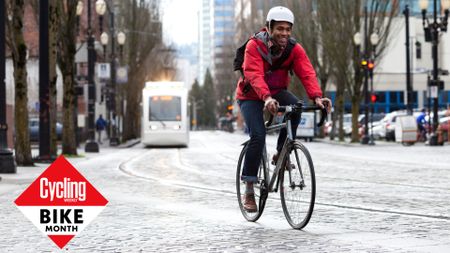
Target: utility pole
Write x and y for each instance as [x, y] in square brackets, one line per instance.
[44, 83]
[365, 138]
[408, 64]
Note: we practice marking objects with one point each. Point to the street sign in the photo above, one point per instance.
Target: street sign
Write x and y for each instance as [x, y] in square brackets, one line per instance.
[61, 202]
[122, 74]
[103, 70]
[434, 91]
[81, 120]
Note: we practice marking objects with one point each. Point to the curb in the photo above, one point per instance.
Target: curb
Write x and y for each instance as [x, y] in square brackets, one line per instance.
[129, 143]
[355, 144]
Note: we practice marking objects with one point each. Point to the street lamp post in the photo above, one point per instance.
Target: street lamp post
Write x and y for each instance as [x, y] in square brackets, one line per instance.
[408, 64]
[367, 63]
[101, 7]
[104, 38]
[91, 145]
[7, 164]
[121, 37]
[79, 10]
[432, 31]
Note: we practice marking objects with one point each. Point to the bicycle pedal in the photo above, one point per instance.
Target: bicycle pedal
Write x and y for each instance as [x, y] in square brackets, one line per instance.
[290, 167]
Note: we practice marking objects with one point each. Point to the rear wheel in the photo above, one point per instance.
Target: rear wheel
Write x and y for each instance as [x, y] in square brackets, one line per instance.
[260, 189]
[298, 186]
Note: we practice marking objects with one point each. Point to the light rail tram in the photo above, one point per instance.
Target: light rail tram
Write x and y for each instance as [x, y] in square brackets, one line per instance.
[165, 117]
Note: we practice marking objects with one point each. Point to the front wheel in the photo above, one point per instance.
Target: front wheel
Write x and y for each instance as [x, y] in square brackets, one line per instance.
[260, 188]
[298, 186]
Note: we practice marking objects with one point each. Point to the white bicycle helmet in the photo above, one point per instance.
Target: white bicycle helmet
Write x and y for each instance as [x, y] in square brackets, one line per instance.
[280, 13]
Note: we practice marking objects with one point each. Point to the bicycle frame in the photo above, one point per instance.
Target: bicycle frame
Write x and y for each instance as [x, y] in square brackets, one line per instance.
[272, 187]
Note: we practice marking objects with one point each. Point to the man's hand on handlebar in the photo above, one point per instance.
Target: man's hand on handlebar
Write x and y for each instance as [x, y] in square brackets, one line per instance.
[271, 105]
[324, 102]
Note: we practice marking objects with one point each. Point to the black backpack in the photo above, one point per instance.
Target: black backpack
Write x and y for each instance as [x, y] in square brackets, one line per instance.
[240, 52]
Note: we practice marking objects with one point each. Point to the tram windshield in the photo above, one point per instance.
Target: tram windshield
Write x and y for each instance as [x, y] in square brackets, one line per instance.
[165, 108]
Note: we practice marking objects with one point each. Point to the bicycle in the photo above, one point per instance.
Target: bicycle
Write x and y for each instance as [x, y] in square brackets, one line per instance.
[294, 173]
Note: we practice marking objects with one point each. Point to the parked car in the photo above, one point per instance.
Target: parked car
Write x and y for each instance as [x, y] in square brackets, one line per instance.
[33, 129]
[374, 120]
[346, 125]
[385, 128]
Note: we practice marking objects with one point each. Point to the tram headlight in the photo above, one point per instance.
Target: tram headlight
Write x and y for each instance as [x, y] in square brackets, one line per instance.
[153, 127]
[177, 127]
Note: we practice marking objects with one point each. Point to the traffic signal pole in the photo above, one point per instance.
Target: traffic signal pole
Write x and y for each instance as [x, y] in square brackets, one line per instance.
[408, 64]
[372, 102]
[365, 138]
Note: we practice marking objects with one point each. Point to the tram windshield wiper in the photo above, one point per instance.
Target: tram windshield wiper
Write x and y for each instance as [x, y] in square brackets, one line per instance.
[157, 119]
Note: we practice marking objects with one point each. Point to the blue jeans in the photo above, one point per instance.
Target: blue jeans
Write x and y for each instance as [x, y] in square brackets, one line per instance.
[252, 111]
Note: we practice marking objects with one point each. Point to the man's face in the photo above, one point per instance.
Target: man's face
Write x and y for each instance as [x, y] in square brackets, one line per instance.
[281, 32]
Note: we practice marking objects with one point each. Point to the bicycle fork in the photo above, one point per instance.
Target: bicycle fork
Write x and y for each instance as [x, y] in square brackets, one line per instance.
[289, 166]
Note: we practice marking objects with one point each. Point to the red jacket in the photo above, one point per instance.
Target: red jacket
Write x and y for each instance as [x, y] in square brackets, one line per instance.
[264, 84]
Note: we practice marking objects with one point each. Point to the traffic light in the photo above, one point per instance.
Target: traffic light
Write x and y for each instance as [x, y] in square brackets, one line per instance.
[373, 98]
[364, 63]
[370, 66]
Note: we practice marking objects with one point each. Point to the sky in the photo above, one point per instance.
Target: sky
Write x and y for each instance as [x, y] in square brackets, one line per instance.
[180, 21]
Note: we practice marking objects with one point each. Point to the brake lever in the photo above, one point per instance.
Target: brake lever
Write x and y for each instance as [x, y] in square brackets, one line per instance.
[323, 117]
[323, 114]
[269, 122]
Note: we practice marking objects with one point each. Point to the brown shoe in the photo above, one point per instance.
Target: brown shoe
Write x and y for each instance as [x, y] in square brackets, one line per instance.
[249, 203]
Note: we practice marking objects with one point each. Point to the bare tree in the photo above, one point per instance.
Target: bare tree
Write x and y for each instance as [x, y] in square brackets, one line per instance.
[16, 44]
[346, 17]
[380, 17]
[141, 21]
[308, 32]
[65, 16]
[250, 19]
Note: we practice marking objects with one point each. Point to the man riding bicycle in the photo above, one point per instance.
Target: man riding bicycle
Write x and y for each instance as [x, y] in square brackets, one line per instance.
[263, 87]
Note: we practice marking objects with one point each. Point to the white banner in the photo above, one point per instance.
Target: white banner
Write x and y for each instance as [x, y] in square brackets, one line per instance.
[122, 74]
[103, 70]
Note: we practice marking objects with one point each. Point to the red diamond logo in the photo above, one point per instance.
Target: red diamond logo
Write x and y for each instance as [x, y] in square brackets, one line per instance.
[61, 202]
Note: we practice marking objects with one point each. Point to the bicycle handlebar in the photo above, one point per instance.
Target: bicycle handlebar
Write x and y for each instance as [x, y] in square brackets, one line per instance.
[299, 108]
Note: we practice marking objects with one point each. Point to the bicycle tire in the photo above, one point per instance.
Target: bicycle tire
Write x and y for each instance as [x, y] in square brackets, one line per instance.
[297, 202]
[260, 189]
